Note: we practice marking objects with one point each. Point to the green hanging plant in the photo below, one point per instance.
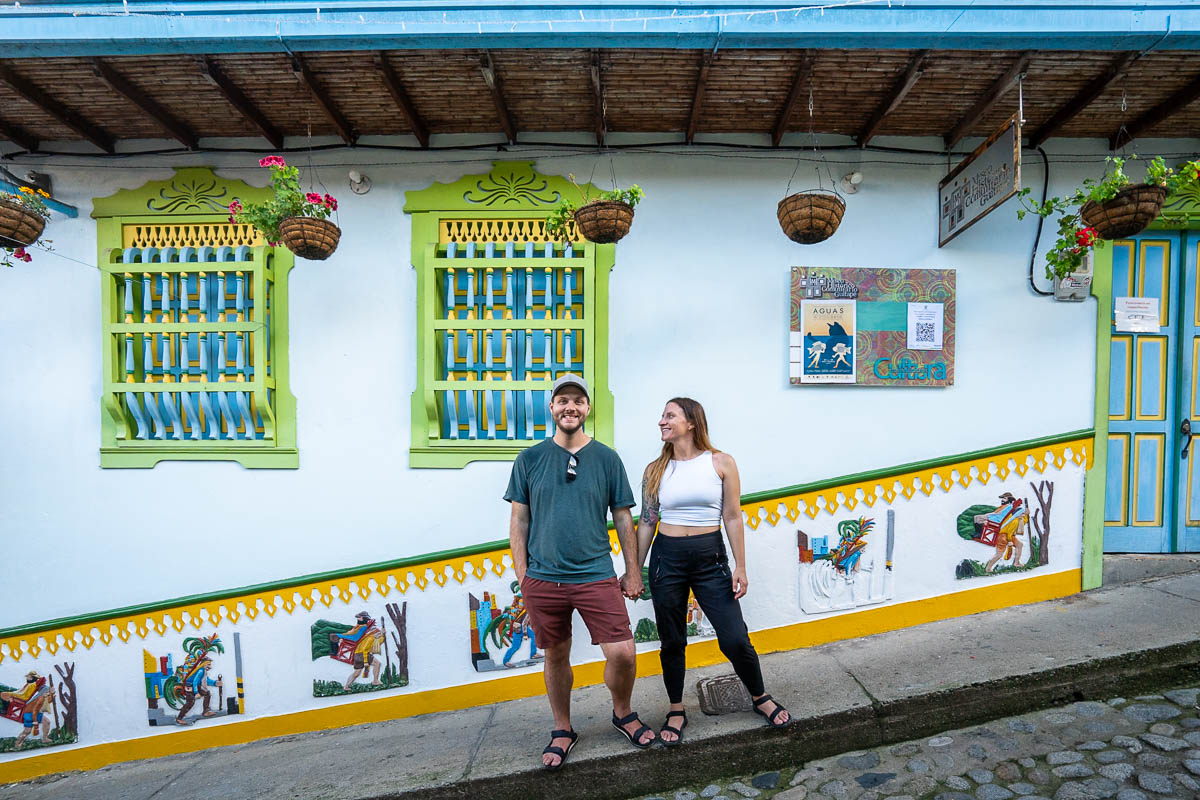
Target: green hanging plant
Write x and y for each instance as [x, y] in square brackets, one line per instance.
[559, 222]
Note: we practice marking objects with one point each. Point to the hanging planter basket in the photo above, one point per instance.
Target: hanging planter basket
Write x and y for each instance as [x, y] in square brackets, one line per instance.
[19, 227]
[1127, 214]
[812, 216]
[604, 221]
[309, 237]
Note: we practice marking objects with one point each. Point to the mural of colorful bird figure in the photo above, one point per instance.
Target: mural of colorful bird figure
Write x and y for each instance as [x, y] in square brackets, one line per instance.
[1005, 527]
[45, 710]
[197, 679]
[857, 571]
[376, 653]
[508, 630]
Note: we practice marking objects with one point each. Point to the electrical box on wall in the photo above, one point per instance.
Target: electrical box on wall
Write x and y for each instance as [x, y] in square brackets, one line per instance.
[1076, 286]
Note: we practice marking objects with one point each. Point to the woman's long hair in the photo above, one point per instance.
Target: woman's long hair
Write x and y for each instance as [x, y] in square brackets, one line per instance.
[693, 412]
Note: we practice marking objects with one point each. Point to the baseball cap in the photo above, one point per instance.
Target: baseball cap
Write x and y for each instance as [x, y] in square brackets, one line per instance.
[571, 379]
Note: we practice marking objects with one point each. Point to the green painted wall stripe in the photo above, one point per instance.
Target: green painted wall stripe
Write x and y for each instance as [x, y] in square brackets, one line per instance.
[1094, 488]
[486, 547]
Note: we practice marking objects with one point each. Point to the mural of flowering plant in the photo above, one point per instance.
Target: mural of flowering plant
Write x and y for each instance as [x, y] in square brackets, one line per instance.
[289, 201]
[33, 201]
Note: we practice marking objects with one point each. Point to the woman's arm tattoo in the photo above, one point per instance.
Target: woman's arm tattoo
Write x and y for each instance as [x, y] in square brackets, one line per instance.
[649, 513]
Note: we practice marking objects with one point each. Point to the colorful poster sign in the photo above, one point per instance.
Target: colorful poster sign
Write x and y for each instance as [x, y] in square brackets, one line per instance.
[827, 328]
[891, 327]
[984, 180]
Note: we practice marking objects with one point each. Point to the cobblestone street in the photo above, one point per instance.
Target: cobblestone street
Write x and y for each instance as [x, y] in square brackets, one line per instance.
[1140, 748]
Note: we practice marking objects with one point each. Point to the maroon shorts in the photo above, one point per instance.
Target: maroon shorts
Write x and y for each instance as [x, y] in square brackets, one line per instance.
[600, 603]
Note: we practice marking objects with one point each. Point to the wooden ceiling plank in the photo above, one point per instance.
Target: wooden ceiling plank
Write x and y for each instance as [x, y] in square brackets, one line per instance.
[706, 60]
[19, 136]
[1083, 99]
[213, 73]
[121, 85]
[785, 114]
[396, 88]
[1172, 105]
[488, 69]
[985, 103]
[916, 68]
[306, 76]
[598, 98]
[88, 130]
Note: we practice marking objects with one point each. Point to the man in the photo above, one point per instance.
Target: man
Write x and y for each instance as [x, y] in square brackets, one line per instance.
[36, 693]
[198, 682]
[561, 491]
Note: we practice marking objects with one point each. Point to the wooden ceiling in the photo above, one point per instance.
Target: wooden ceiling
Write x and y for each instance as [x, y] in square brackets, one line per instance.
[860, 93]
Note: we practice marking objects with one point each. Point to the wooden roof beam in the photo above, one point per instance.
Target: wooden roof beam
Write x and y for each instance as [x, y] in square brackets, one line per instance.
[706, 60]
[598, 98]
[121, 85]
[1173, 104]
[492, 78]
[88, 130]
[243, 104]
[396, 89]
[785, 114]
[916, 68]
[989, 99]
[18, 136]
[1083, 99]
[306, 76]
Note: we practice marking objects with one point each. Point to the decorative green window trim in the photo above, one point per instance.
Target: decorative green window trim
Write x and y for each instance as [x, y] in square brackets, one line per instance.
[482, 260]
[194, 322]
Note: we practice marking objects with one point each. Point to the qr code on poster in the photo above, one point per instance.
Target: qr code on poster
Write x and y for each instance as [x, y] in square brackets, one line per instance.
[925, 332]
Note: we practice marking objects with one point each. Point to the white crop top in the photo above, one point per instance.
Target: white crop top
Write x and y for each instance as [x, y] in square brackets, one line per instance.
[691, 493]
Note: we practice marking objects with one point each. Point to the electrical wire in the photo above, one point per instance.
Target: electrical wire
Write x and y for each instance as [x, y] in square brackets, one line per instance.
[1041, 221]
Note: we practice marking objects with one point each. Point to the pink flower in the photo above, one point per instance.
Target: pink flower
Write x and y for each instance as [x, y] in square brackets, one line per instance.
[19, 252]
[330, 202]
[274, 244]
[235, 207]
[313, 198]
[271, 161]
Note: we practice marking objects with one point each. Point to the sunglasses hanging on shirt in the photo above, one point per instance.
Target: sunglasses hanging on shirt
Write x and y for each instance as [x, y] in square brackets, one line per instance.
[572, 465]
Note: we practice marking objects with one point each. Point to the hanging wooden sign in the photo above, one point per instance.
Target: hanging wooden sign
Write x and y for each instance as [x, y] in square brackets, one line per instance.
[984, 180]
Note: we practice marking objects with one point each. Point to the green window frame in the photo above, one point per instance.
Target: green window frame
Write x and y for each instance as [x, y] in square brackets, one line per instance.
[194, 323]
[487, 349]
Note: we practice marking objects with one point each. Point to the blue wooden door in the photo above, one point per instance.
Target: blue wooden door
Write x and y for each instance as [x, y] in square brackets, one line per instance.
[1139, 512]
[1187, 487]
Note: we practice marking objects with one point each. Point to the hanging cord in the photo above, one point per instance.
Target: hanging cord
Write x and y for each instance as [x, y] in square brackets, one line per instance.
[1041, 221]
[312, 171]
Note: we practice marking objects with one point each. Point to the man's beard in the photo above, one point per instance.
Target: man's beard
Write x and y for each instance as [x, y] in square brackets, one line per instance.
[573, 424]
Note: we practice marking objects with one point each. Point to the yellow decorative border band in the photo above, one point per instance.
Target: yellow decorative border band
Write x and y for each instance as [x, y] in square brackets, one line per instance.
[498, 561]
[699, 654]
[907, 484]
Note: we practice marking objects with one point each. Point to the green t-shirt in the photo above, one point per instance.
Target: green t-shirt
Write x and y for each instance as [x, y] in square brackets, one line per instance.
[568, 525]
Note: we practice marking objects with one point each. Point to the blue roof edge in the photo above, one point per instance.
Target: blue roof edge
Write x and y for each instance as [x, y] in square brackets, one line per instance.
[54, 28]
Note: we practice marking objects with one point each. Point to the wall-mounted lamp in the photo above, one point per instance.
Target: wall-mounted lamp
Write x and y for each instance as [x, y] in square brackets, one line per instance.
[359, 183]
[850, 182]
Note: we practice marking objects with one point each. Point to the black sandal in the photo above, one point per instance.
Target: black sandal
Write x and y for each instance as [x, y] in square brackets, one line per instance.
[558, 751]
[632, 737]
[677, 731]
[771, 723]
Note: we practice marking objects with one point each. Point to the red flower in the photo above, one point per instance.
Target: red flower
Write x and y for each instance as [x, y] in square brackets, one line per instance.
[235, 207]
[1086, 237]
[313, 198]
[19, 252]
[330, 202]
[271, 161]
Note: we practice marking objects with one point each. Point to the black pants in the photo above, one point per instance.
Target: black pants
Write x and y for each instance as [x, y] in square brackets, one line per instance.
[698, 563]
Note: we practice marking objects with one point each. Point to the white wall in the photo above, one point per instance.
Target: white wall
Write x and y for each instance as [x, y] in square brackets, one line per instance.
[699, 307]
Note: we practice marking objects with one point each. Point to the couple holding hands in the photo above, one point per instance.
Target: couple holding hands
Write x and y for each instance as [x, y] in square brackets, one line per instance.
[561, 491]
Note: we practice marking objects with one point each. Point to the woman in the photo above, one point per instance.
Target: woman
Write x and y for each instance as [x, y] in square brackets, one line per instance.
[686, 492]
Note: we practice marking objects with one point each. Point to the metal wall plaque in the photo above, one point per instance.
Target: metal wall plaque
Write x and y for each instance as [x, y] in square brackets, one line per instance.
[984, 180]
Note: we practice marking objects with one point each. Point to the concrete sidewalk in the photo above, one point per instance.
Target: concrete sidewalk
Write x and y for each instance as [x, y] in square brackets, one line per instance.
[1137, 635]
